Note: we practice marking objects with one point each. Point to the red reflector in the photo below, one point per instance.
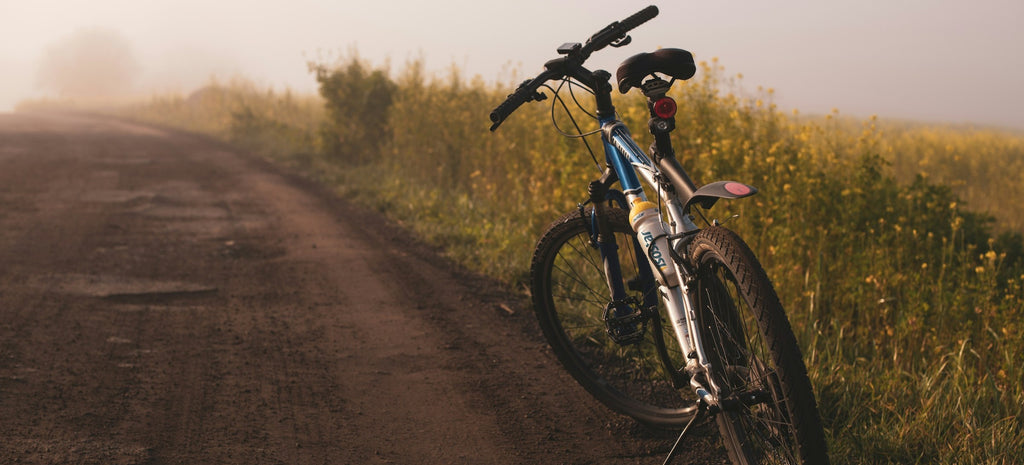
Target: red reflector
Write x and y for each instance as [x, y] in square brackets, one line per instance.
[665, 107]
[736, 188]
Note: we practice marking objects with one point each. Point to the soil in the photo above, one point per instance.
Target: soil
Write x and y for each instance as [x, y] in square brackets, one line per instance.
[167, 299]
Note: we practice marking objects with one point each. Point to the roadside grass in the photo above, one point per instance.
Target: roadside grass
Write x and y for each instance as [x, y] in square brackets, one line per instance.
[895, 246]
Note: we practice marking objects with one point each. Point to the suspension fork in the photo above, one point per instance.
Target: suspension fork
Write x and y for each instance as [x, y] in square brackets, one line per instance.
[603, 238]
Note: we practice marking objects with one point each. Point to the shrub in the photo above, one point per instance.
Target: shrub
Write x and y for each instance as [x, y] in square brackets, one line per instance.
[358, 102]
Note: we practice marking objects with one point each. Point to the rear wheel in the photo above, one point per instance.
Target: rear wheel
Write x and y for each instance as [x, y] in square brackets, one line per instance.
[769, 413]
[571, 296]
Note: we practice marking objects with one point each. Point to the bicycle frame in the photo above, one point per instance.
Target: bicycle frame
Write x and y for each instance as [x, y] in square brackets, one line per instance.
[630, 164]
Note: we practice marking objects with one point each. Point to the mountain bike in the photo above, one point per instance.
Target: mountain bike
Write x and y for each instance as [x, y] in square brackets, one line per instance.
[658, 318]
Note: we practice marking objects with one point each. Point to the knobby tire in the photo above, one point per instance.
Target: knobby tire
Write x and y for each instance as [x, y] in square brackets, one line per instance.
[752, 349]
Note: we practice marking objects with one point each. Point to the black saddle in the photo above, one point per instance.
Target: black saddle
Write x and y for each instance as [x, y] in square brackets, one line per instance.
[674, 62]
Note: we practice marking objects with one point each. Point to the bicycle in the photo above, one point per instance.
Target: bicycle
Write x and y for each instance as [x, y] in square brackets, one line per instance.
[680, 322]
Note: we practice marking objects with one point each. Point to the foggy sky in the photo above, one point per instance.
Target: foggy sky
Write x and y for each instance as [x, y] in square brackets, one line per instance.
[940, 60]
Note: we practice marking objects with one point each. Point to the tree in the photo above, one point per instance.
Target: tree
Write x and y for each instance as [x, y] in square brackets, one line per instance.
[88, 63]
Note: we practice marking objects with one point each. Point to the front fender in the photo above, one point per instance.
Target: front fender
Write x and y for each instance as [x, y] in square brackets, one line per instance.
[708, 194]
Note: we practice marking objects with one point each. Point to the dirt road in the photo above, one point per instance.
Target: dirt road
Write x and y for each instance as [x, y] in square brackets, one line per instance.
[164, 299]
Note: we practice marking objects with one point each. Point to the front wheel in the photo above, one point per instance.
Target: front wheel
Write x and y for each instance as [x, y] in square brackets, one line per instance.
[768, 410]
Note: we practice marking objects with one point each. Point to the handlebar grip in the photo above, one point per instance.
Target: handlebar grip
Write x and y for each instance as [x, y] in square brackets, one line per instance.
[639, 18]
[617, 30]
[506, 108]
[526, 92]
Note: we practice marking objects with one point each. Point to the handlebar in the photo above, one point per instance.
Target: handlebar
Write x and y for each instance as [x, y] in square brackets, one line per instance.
[615, 34]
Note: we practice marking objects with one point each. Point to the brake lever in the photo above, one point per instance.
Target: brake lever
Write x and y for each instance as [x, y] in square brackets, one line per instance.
[621, 42]
[535, 97]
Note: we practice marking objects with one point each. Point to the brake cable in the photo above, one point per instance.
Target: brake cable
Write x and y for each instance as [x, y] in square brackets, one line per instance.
[579, 131]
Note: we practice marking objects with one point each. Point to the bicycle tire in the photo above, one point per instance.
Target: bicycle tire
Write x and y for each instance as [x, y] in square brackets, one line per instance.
[753, 352]
[570, 295]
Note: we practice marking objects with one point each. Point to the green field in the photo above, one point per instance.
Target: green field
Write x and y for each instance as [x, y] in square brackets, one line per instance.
[895, 246]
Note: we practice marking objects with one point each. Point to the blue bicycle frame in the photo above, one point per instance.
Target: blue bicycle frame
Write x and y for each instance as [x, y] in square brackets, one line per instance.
[626, 159]
[629, 164]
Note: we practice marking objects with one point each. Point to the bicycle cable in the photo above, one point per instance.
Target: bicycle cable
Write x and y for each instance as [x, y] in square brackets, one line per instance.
[575, 100]
[559, 99]
[579, 131]
[700, 211]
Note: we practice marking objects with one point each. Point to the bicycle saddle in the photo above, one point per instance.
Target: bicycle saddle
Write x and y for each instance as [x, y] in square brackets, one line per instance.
[674, 62]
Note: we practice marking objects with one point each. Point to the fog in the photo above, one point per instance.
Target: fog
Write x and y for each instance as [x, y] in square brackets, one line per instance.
[935, 60]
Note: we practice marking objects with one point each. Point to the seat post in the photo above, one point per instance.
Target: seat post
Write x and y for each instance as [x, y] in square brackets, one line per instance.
[663, 153]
